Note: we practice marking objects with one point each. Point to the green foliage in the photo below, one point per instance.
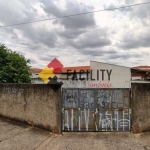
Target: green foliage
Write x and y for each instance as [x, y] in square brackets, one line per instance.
[14, 67]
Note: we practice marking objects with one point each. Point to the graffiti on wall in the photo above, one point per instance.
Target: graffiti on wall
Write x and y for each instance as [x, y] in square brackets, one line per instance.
[86, 99]
[17, 90]
[96, 110]
[71, 98]
[113, 98]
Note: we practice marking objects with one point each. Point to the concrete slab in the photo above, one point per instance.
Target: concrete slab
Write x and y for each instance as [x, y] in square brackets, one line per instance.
[8, 129]
[97, 141]
[16, 136]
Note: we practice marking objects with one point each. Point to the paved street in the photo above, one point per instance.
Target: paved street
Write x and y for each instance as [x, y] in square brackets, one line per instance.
[17, 136]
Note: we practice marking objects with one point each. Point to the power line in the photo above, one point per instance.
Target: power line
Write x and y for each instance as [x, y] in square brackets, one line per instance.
[107, 52]
[78, 14]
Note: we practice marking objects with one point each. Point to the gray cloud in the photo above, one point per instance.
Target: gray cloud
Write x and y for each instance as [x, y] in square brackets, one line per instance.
[92, 39]
[73, 26]
[17, 12]
[71, 33]
[140, 11]
[77, 37]
[132, 40]
[40, 35]
[53, 9]
[48, 57]
[32, 61]
[124, 56]
[13, 12]
[97, 52]
[92, 52]
[123, 10]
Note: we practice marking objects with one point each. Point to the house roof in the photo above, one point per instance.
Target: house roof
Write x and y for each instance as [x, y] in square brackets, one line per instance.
[35, 70]
[64, 70]
[142, 68]
[141, 71]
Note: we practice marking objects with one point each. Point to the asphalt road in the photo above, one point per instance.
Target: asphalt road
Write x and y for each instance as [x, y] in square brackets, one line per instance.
[17, 136]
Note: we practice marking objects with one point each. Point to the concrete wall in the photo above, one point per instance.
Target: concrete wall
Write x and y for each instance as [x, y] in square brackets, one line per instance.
[140, 107]
[73, 83]
[66, 83]
[36, 104]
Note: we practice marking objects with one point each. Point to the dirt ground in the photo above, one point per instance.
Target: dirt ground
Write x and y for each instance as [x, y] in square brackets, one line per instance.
[16, 136]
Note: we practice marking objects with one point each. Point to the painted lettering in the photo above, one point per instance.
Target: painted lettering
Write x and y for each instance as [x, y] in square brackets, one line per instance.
[109, 73]
[102, 70]
[87, 74]
[91, 76]
[74, 77]
[97, 75]
[80, 73]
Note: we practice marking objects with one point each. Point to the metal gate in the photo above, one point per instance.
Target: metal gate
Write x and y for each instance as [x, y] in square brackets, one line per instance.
[96, 109]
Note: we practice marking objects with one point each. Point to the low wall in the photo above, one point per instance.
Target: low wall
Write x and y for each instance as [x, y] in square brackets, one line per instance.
[140, 107]
[35, 104]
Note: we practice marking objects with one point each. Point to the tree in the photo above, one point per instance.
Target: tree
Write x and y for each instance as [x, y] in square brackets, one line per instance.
[14, 67]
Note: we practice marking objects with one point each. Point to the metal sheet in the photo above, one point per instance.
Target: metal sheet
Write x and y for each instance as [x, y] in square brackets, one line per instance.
[96, 110]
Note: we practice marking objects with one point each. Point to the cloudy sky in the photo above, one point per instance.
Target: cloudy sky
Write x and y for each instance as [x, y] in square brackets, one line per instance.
[119, 37]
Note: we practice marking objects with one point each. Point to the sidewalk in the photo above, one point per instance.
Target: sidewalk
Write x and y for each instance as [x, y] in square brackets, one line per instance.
[16, 136]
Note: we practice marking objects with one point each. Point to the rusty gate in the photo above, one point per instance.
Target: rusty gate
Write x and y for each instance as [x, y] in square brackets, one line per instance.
[96, 109]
